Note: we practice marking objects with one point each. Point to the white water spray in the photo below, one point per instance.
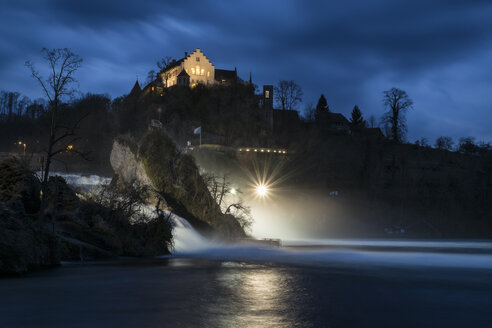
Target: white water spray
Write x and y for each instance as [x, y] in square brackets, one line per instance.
[359, 253]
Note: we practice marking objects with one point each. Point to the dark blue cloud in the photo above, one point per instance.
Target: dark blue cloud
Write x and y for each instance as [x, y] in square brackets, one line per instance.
[438, 51]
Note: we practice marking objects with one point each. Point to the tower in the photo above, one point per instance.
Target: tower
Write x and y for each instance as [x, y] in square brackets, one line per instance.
[268, 104]
[268, 97]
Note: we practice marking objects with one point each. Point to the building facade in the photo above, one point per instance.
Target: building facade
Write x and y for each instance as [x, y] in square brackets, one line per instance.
[193, 69]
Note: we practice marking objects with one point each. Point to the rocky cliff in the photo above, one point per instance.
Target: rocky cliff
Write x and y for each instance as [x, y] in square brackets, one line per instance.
[94, 227]
[154, 161]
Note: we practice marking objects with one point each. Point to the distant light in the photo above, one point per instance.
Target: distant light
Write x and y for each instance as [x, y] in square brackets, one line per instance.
[261, 190]
[233, 191]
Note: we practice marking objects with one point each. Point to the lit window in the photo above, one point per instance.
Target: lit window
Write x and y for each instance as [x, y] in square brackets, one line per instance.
[192, 70]
[208, 73]
[267, 94]
[203, 72]
[197, 70]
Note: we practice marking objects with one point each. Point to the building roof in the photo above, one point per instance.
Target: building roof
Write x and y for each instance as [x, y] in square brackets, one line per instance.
[336, 117]
[136, 90]
[183, 73]
[225, 74]
[174, 64]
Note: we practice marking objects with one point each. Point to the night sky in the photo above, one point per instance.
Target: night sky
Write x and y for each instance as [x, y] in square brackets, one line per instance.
[440, 52]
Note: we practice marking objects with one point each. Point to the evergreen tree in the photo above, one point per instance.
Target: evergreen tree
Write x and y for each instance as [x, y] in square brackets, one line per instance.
[321, 107]
[322, 104]
[357, 122]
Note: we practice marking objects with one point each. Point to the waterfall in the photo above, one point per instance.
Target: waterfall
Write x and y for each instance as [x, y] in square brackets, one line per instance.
[358, 253]
[186, 238]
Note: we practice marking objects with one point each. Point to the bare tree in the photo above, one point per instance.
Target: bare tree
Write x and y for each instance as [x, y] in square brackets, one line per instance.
[22, 105]
[9, 103]
[162, 64]
[242, 213]
[372, 121]
[422, 142]
[219, 187]
[288, 94]
[397, 102]
[62, 65]
[151, 76]
[229, 199]
[444, 143]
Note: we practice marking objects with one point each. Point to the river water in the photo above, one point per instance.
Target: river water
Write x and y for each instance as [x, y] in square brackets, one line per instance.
[305, 283]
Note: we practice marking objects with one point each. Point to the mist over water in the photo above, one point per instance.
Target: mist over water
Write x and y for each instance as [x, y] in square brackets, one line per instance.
[297, 249]
[307, 282]
[79, 180]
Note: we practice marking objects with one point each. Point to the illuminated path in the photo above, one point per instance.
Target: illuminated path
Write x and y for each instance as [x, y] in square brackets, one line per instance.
[278, 151]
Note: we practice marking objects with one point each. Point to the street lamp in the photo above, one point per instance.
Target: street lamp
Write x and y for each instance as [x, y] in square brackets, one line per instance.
[20, 143]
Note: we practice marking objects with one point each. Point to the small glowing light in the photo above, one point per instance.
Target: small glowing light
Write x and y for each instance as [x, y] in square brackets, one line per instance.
[69, 147]
[256, 149]
[261, 190]
[233, 191]
[20, 142]
[247, 149]
[263, 150]
[268, 150]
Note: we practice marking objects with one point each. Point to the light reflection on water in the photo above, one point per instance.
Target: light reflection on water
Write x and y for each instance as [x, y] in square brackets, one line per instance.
[176, 292]
[258, 296]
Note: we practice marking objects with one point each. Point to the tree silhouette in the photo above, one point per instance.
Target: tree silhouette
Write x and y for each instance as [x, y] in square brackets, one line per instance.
[62, 64]
[397, 102]
[357, 122]
[321, 107]
[322, 103]
[444, 143]
[288, 94]
[162, 64]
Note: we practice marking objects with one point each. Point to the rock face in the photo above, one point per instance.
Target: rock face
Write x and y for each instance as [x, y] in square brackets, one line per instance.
[155, 162]
[19, 188]
[70, 229]
[124, 162]
[24, 244]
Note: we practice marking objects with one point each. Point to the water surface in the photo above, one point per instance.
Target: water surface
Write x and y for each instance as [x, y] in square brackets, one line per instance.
[192, 292]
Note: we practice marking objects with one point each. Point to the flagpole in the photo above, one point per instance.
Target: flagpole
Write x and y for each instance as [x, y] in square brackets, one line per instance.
[200, 137]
